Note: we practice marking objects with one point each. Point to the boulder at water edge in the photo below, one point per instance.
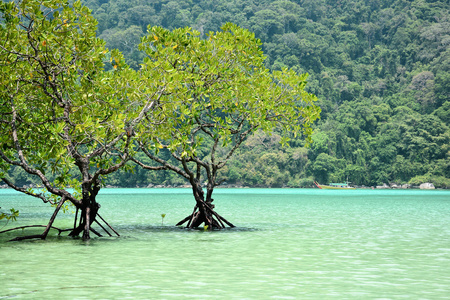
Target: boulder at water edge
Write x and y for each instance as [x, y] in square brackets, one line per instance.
[427, 186]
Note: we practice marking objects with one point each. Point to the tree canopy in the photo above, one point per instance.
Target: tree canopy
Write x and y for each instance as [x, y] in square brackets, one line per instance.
[216, 93]
[64, 120]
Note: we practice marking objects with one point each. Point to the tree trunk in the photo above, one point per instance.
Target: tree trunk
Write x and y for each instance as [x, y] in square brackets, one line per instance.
[88, 214]
[204, 212]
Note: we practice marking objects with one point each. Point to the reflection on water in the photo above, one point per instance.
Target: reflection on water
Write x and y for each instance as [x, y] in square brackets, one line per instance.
[289, 244]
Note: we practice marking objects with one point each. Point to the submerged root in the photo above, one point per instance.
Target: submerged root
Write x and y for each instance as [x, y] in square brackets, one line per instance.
[88, 217]
[35, 236]
[73, 231]
[205, 214]
[47, 228]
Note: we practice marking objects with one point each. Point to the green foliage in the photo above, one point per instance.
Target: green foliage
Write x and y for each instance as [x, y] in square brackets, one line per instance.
[62, 117]
[222, 81]
[212, 94]
[439, 181]
[11, 216]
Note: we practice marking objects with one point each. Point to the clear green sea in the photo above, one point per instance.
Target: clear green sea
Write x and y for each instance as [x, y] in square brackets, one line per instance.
[288, 244]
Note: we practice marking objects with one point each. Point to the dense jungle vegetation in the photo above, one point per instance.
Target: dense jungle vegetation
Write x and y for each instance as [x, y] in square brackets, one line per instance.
[381, 71]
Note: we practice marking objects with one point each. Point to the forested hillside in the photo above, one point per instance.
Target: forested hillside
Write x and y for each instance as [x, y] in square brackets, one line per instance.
[381, 71]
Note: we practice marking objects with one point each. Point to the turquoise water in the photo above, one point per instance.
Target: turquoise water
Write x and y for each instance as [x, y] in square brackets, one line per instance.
[288, 244]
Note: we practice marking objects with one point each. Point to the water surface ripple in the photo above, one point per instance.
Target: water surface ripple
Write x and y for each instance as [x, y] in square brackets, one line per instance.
[289, 244]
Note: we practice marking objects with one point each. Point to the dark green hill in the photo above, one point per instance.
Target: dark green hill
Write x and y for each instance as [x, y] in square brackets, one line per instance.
[381, 70]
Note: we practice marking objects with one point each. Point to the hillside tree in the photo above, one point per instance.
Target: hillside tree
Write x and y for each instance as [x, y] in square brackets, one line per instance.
[61, 115]
[219, 94]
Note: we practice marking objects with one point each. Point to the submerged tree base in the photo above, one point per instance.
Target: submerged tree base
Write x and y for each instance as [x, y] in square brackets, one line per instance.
[204, 214]
[75, 231]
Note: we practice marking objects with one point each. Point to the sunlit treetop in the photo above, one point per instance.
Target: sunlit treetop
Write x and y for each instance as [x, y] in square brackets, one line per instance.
[58, 105]
[219, 87]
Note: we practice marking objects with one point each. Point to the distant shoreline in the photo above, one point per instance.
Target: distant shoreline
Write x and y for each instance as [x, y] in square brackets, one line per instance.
[237, 186]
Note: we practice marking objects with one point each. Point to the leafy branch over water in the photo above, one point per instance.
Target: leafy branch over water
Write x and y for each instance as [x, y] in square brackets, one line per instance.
[11, 216]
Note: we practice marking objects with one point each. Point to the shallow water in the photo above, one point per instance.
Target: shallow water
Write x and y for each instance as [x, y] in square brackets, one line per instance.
[288, 244]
